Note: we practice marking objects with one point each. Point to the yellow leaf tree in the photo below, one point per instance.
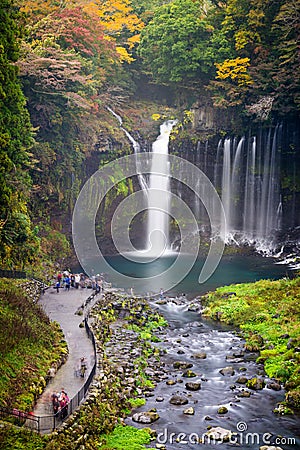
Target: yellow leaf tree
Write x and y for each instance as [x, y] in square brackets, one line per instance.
[235, 70]
[121, 24]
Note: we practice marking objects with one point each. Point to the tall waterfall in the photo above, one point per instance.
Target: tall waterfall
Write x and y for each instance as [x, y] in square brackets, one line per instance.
[246, 173]
[159, 194]
[157, 189]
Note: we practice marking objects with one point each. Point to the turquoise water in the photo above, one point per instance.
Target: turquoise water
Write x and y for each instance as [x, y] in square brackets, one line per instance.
[232, 269]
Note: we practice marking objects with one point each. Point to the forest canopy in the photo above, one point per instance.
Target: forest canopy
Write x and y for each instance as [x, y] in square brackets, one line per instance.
[63, 63]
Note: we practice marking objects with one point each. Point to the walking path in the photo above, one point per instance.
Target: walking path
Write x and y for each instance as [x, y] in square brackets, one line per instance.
[61, 307]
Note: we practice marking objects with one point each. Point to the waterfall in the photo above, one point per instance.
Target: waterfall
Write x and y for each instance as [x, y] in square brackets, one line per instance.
[226, 188]
[249, 219]
[248, 179]
[159, 194]
[245, 172]
[270, 195]
[136, 147]
[236, 180]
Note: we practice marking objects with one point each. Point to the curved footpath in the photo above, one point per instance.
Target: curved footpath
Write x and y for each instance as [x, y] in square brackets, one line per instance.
[61, 307]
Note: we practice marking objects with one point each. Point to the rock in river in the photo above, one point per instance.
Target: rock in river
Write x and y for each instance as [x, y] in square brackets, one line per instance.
[227, 371]
[219, 434]
[182, 365]
[145, 417]
[178, 400]
[189, 411]
[193, 386]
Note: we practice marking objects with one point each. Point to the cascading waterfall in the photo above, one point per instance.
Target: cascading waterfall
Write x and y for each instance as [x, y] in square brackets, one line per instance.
[246, 173]
[236, 179]
[136, 147]
[157, 190]
[159, 194]
[226, 189]
[249, 221]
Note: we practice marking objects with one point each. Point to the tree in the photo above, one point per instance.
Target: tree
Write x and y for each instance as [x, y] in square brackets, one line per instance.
[122, 26]
[287, 75]
[18, 243]
[173, 45]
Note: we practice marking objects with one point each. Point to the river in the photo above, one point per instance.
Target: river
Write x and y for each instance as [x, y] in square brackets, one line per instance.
[251, 418]
[142, 277]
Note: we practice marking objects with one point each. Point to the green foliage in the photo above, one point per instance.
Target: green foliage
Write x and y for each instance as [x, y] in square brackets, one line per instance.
[268, 313]
[137, 402]
[20, 439]
[29, 344]
[173, 44]
[127, 438]
[265, 32]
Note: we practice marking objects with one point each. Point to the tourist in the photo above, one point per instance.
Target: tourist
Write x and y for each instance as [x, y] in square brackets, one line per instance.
[99, 285]
[161, 295]
[67, 282]
[82, 367]
[63, 403]
[51, 373]
[77, 280]
[59, 278]
[57, 286]
[55, 403]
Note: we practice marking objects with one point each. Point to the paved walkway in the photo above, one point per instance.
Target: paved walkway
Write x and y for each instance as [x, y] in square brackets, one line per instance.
[61, 307]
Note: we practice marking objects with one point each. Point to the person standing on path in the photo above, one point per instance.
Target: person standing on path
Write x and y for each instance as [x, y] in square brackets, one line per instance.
[83, 367]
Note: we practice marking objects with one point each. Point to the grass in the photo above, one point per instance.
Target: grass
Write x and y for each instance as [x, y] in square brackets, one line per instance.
[268, 313]
[126, 438]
